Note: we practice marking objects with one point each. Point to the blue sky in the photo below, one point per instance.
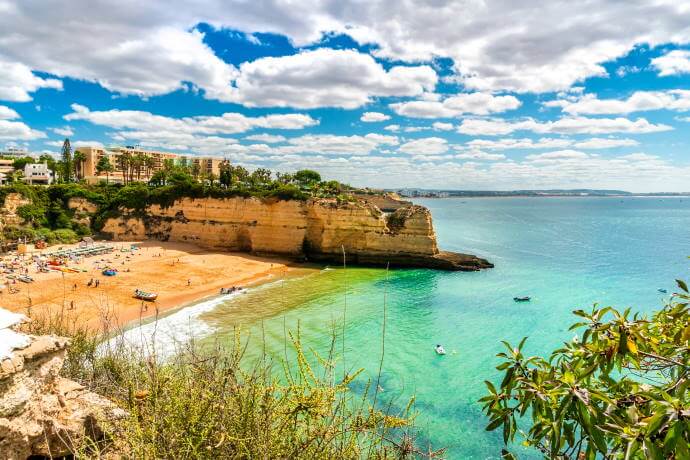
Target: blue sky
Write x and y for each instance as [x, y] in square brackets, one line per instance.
[462, 95]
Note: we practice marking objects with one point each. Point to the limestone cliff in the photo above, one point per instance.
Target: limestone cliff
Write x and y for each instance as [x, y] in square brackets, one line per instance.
[317, 229]
[41, 413]
[8, 211]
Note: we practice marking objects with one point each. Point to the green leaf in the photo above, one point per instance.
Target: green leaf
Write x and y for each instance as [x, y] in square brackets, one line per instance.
[495, 423]
[682, 285]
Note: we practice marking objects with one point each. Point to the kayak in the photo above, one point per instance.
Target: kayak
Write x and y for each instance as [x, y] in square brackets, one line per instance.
[109, 272]
[521, 299]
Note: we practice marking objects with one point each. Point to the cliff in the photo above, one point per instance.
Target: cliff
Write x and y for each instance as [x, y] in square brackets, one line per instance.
[8, 211]
[317, 229]
[41, 413]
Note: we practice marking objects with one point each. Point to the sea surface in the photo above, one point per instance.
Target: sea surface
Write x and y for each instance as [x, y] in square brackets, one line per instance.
[565, 253]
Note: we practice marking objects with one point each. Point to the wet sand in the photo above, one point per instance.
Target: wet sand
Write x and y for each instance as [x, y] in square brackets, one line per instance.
[180, 273]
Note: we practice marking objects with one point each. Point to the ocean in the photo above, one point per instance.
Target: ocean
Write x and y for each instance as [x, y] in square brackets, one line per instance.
[565, 253]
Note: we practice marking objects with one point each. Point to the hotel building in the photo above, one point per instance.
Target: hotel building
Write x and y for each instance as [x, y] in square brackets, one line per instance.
[93, 155]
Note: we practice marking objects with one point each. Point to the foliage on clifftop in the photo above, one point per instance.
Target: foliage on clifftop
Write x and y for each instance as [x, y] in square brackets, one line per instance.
[620, 390]
[49, 213]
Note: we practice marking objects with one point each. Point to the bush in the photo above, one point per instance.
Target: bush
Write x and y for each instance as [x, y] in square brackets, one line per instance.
[212, 403]
[65, 235]
[620, 390]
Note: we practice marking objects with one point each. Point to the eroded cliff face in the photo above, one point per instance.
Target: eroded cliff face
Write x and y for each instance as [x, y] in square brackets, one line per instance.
[315, 229]
[41, 413]
[8, 211]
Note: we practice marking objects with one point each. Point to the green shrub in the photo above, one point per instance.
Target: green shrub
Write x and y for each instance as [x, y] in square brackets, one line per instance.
[65, 235]
[210, 402]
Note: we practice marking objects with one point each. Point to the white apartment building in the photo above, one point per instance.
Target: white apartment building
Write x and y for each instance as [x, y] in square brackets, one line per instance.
[38, 173]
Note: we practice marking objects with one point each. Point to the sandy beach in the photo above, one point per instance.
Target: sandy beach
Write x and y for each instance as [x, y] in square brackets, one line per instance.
[179, 273]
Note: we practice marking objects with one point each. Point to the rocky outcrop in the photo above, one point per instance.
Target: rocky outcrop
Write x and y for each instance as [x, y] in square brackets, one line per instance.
[318, 229]
[83, 210]
[41, 413]
[8, 211]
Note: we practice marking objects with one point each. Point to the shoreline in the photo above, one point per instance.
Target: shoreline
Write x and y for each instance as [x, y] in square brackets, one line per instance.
[182, 274]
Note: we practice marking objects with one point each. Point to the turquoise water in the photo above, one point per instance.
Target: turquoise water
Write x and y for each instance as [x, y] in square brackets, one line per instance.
[566, 253]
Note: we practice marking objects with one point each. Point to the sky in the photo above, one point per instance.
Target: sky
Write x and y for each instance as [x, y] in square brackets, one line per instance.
[467, 94]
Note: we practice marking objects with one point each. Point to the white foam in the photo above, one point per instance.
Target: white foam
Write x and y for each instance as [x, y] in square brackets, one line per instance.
[164, 336]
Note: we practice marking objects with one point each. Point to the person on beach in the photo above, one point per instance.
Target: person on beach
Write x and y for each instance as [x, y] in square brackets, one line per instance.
[189, 282]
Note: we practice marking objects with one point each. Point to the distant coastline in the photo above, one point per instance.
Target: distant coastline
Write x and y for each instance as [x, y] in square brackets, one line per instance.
[426, 193]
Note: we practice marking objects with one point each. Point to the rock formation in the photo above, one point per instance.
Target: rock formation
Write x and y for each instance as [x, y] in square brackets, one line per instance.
[41, 413]
[8, 211]
[316, 229]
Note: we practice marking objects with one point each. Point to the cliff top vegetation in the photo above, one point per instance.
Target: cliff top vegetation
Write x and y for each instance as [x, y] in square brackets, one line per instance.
[48, 217]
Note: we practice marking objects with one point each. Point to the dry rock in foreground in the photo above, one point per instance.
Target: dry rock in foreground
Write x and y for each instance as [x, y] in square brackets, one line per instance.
[41, 413]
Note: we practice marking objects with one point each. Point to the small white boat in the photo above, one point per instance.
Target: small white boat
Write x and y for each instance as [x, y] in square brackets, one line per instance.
[143, 295]
[440, 350]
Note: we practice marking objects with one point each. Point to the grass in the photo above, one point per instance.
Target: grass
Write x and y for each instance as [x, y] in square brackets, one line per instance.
[211, 402]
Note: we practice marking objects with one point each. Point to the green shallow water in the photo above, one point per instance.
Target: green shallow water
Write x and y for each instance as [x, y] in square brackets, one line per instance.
[566, 253]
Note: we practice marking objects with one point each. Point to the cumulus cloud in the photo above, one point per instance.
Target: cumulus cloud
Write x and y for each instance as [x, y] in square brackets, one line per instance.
[330, 144]
[478, 155]
[371, 117]
[325, 77]
[567, 125]
[675, 62]
[441, 126]
[461, 104]
[17, 82]
[11, 129]
[559, 155]
[228, 123]
[677, 99]
[425, 146]
[495, 45]
[267, 138]
[7, 114]
[64, 131]
[17, 130]
[550, 143]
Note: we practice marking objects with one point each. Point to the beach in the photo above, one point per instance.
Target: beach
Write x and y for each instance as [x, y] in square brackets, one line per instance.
[179, 273]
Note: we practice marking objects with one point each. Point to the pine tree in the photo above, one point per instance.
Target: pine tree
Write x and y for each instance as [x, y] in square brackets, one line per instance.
[66, 161]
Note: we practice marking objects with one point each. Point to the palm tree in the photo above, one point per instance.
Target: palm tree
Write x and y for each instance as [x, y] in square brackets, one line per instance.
[104, 166]
[79, 158]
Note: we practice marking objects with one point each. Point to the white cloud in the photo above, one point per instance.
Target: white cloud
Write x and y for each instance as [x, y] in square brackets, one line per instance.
[549, 143]
[18, 131]
[675, 62]
[228, 123]
[677, 99]
[605, 143]
[76, 144]
[640, 157]
[267, 138]
[7, 114]
[392, 128]
[559, 155]
[330, 144]
[567, 125]
[441, 126]
[478, 155]
[425, 146]
[64, 131]
[495, 45]
[325, 77]
[461, 104]
[17, 81]
[371, 117]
